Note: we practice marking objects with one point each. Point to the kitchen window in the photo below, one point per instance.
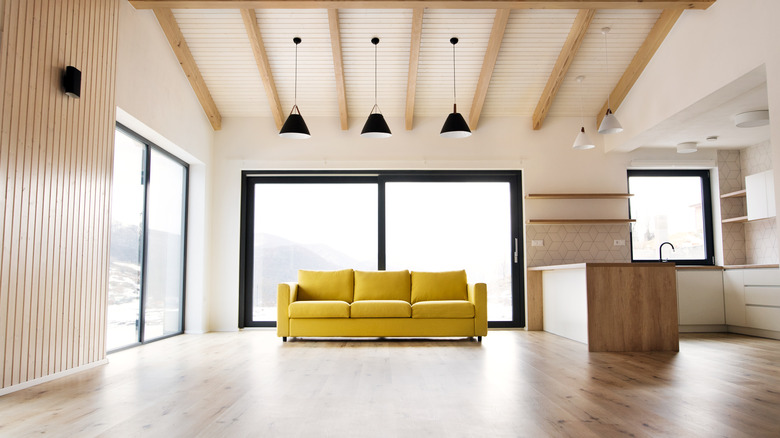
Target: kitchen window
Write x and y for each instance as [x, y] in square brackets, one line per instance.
[672, 206]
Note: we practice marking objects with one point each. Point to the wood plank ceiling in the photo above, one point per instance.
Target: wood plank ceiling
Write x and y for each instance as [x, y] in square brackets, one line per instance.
[514, 58]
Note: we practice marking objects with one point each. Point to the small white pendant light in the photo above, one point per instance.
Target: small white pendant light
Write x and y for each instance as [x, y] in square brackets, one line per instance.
[375, 126]
[455, 126]
[610, 124]
[582, 142]
[295, 127]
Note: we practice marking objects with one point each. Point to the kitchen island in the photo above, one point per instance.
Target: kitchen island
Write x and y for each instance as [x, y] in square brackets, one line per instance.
[609, 306]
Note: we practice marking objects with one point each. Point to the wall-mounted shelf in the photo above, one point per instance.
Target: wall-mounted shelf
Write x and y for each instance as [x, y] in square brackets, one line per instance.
[576, 196]
[737, 194]
[735, 220]
[579, 221]
[579, 196]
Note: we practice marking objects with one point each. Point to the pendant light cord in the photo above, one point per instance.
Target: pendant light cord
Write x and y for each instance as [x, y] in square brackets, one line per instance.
[295, 88]
[454, 91]
[606, 64]
[582, 117]
[375, 99]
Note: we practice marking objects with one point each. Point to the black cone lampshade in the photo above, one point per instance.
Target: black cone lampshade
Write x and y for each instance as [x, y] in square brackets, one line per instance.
[294, 127]
[455, 126]
[376, 127]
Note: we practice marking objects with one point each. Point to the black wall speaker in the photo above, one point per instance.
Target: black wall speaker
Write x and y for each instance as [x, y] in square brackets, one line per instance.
[71, 81]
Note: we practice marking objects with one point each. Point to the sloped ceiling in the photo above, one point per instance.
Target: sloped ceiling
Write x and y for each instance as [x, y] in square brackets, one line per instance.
[508, 52]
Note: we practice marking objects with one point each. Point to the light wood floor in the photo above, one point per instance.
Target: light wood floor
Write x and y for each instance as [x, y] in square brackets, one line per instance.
[515, 383]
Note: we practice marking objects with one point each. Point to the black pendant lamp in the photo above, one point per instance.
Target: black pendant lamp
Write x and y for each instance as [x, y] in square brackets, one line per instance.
[295, 127]
[455, 126]
[375, 126]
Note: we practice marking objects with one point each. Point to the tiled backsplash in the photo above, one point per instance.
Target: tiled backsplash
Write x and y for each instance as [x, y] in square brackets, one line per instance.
[751, 242]
[565, 244]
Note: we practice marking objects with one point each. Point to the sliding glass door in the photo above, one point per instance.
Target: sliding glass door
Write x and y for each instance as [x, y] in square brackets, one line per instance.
[146, 270]
[425, 221]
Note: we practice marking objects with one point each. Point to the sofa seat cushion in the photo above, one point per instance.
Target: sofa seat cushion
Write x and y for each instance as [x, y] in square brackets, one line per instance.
[319, 309]
[326, 285]
[382, 285]
[443, 309]
[381, 309]
[439, 286]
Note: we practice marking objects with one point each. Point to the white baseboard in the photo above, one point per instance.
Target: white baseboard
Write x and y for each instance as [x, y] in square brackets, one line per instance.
[703, 328]
[50, 377]
[754, 332]
[195, 332]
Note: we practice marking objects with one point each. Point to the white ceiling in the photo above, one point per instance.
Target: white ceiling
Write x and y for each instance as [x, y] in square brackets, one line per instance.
[531, 44]
[714, 116]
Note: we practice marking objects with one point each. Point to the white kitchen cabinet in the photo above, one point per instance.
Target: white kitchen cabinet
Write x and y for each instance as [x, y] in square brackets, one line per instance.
[700, 297]
[734, 296]
[761, 289]
[760, 192]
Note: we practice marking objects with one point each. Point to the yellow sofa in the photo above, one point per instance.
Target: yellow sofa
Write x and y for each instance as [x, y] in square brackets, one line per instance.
[351, 303]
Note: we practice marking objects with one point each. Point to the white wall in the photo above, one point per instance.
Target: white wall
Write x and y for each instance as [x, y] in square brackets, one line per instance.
[548, 162]
[155, 100]
[703, 53]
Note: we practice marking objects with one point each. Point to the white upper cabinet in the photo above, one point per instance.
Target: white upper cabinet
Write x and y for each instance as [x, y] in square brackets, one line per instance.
[760, 191]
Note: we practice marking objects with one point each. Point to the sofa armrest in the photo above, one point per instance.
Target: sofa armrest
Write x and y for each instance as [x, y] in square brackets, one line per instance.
[286, 293]
[478, 297]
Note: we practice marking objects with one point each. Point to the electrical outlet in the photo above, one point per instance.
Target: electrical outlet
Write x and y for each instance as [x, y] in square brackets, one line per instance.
[537, 243]
[620, 242]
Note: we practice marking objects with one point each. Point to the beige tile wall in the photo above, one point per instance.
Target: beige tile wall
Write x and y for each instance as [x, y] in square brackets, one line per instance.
[565, 244]
[751, 242]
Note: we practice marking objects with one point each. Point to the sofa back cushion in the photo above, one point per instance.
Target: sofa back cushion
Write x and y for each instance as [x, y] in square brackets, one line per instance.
[439, 286]
[382, 285]
[326, 285]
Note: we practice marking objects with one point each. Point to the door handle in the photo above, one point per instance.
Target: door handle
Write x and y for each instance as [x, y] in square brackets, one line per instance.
[517, 250]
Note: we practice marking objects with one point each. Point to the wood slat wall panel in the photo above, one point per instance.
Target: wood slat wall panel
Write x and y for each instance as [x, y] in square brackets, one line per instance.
[56, 158]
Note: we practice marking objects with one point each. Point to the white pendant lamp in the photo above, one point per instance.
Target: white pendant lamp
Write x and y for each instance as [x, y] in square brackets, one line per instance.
[455, 126]
[375, 126]
[582, 142]
[610, 124]
[295, 127]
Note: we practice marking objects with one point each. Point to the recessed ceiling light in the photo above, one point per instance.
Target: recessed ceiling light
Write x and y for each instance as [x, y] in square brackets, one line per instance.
[752, 119]
[687, 147]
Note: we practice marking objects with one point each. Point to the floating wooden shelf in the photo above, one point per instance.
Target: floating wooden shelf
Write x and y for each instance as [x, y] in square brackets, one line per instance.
[735, 220]
[579, 221]
[579, 196]
[737, 194]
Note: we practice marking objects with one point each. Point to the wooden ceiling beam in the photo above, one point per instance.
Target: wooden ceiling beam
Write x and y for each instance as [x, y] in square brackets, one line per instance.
[182, 51]
[561, 68]
[414, 60]
[263, 66]
[488, 64]
[642, 57]
[338, 66]
[431, 4]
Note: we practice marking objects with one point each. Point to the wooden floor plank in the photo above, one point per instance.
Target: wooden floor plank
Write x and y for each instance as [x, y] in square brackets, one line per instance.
[514, 383]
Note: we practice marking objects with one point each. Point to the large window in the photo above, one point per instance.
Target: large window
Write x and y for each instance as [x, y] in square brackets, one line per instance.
[425, 221]
[672, 206]
[146, 267]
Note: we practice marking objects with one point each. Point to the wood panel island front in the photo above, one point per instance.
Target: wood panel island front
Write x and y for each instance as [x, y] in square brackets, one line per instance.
[609, 306]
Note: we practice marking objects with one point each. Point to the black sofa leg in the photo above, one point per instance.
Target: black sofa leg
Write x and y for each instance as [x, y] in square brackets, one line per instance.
[284, 338]
[479, 338]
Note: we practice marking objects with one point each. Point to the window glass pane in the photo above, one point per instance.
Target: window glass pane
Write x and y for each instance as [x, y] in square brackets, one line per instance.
[127, 216]
[309, 226]
[667, 209]
[451, 226]
[165, 243]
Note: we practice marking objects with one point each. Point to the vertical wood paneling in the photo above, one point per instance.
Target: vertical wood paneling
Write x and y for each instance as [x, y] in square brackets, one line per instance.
[55, 181]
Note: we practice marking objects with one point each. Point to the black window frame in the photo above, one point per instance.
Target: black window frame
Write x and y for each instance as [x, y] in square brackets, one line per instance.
[706, 198]
[149, 146]
[251, 177]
